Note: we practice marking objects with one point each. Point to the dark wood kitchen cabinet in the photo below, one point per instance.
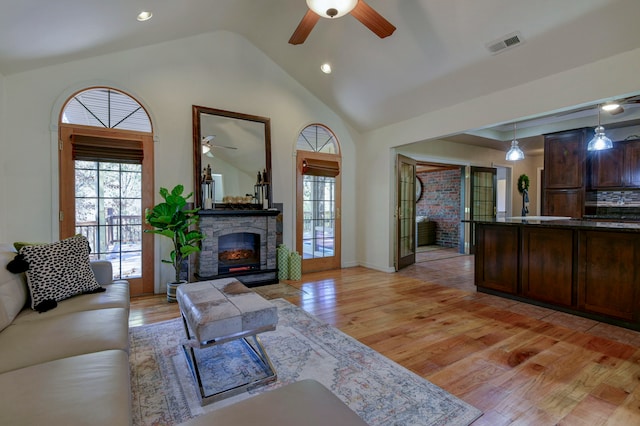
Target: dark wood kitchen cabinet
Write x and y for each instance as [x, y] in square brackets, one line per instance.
[632, 163]
[547, 270]
[496, 264]
[564, 159]
[565, 173]
[580, 267]
[606, 168]
[608, 274]
[564, 202]
[618, 167]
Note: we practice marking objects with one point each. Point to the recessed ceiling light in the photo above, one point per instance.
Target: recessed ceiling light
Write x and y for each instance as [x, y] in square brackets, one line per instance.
[144, 16]
[326, 68]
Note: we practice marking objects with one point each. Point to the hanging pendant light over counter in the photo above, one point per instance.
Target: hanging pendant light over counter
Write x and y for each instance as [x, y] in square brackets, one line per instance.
[514, 153]
[600, 141]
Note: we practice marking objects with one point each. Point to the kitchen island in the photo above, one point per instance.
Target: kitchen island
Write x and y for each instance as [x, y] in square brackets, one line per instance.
[585, 267]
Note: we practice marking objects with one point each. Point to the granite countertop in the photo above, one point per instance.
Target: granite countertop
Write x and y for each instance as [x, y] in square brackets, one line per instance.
[551, 221]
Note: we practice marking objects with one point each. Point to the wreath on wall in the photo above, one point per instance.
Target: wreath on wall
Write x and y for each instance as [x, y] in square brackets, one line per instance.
[523, 183]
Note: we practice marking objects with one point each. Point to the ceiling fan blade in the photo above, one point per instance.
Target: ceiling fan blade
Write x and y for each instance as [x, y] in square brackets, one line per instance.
[372, 20]
[304, 27]
[223, 146]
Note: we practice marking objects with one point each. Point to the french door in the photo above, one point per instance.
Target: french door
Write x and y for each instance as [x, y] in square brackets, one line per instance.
[483, 197]
[106, 183]
[318, 194]
[405, 212]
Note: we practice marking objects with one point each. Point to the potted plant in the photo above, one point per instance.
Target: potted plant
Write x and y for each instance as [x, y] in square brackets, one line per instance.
[173, 220]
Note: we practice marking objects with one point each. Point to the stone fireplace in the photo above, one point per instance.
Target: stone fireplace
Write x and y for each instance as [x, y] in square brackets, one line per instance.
[239, 244]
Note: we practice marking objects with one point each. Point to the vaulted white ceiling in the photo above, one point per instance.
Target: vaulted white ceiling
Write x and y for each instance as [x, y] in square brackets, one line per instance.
[437, 57]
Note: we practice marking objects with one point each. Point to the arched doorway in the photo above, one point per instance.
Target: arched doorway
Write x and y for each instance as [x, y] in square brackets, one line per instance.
[106, 180]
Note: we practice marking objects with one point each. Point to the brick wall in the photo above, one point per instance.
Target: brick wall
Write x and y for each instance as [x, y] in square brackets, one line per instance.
[440, 202]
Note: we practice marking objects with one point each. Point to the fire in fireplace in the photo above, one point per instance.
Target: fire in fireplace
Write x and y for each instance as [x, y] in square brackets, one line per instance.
[238, 252]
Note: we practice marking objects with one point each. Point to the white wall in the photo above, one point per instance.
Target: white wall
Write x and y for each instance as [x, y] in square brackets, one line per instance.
[223, 70]
[4, 159]
[613, 76]
[220, 70]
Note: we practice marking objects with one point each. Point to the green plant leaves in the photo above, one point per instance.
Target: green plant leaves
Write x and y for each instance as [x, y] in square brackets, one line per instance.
[172, 221]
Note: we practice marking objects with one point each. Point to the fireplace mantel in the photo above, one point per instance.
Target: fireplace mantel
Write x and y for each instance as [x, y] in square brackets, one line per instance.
[232, 212]
[216, 223]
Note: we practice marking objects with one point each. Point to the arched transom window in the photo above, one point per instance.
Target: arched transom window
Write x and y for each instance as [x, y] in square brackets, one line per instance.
[317, 138]
[108, 108]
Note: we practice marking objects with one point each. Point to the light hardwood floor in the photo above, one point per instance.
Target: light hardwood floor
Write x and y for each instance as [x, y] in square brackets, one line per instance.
[519, 363]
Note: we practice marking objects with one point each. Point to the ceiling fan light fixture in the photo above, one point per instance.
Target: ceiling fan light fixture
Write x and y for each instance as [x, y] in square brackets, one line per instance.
[332, 8]
[326, 68]
[610, 106]
[206, 143]
[514, 153]
[599, 141]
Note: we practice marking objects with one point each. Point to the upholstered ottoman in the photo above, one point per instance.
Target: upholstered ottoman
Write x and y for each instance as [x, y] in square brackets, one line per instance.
[306, 402]
[219, 311]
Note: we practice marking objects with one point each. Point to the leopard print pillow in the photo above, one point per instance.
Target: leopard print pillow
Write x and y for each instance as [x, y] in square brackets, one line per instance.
[58, 271]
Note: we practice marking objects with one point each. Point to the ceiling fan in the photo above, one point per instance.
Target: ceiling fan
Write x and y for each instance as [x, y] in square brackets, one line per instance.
[615, 108]
[207, 146]
[337, 8]
[611, 107]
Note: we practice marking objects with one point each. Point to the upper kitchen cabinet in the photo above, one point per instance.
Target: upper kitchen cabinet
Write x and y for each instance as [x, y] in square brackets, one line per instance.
[564, 173]
[632, 162]
[606, 168]
[618, 167]
[564, 159]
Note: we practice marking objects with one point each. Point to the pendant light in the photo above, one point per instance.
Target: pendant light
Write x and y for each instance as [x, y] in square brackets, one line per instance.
[600, 141]
[514, 153]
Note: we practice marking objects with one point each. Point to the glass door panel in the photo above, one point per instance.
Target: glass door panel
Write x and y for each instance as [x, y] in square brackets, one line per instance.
[405, 212]
[319, 216]
[109, 213]
[483, 197]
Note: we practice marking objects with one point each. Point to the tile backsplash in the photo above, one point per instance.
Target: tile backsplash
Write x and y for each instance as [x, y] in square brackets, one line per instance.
[613, 203]
[630, 198]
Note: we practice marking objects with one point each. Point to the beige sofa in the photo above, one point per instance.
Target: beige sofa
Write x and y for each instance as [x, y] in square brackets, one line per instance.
[69, 365]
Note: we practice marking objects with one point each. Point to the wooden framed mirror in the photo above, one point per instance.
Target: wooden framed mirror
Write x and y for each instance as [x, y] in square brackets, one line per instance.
[236, 147]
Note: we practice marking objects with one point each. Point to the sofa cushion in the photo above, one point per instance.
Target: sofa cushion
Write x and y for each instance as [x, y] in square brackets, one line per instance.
[58, 271]
[103, 271]
[90, 389]
[116, 295]
[13, 288]
[33, 342]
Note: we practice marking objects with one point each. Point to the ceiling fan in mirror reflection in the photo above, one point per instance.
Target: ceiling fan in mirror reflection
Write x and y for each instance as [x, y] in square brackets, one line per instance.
[207, 146]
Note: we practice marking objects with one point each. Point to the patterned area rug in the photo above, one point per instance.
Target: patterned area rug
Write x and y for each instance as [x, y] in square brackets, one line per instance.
[377, 389]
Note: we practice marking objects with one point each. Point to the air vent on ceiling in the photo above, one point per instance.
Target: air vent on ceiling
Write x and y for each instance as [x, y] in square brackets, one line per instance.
[506, 42]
